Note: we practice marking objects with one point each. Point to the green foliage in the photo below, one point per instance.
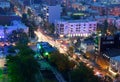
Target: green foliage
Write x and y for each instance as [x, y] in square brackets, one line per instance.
[96, 40]
[70, 50]
[61, 61]
[105, 27]
[50, 28]
[18, 36]
[83, 74]
[112, 29]
[24, 50]
[11, 50]
[23, 67]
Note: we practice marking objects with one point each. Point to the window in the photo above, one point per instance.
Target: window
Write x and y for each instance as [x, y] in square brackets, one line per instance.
[71, 29]
[108, 42]
[61, 25]
[61, 30]
[71, 25]
[77, 29]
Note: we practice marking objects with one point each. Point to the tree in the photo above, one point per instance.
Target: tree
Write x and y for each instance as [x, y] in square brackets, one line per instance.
[29, 12]
[18, 36]
[24, 49]
[85, 74]
[2, 11]
[61, 61]
[105, 27]
[52, 28]
[24, 18]
[23, 67]
[112, 29]
[70, 50]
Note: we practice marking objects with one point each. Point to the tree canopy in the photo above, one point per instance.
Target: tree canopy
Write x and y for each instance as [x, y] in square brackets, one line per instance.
[83, 74]
[22, 67]
[61, 61]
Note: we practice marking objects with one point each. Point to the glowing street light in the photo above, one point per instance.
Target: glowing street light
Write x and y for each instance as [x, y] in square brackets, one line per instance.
[46, 53]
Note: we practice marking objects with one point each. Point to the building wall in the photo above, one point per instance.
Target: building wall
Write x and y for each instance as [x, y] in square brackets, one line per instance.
[52, 13]
[115, 11]
[4, 4]
[16, 25]
[114, 66]
[76, 28]
[117, 24]
[110, 20]
[87, 47]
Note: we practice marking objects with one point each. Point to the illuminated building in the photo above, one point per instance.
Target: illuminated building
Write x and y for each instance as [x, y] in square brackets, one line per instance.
[5, 30]
[110, 50]
[72, 28]
[87, 46]
[4, 4]
[115, 65]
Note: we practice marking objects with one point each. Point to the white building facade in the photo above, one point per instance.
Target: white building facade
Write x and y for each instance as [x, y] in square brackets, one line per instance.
[74, 28]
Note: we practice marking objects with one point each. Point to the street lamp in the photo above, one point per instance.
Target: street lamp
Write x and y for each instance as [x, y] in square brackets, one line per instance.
[46, 53]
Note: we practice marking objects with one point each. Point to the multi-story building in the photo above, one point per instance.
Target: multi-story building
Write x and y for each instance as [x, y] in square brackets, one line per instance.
[112, 20]
[101, 19]
[105, 9]
[4, 4]
[114, 9]
[74, 28]
[110, 50]
[87, 46]
[8, 29]
[99, 7]
[51, 13]
[114, 67]
[117, 24]
[110, 1]
[6, 19]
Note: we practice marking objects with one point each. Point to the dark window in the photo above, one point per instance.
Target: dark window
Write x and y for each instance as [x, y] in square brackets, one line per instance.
[61, 25]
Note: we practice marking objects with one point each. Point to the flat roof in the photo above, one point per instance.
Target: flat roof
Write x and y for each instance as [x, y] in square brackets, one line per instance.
[112, 52]
[117, 58]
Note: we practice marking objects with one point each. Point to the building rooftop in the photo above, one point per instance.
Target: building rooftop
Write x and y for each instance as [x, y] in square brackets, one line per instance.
[112, 52]
[97, 4]
[117, 58]
[6, 19]
[77, 21]
[15, 24]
